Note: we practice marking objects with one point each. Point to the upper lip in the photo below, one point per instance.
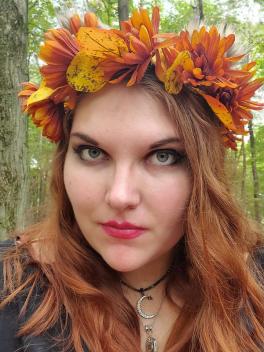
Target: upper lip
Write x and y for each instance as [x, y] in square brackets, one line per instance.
[122, 225]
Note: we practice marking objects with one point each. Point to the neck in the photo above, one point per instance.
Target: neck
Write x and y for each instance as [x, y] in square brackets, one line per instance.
[149, 273]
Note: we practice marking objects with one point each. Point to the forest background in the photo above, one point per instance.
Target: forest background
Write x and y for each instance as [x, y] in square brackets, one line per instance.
[25, 156]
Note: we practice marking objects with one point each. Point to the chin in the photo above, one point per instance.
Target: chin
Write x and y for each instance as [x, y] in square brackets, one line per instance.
[123, 263]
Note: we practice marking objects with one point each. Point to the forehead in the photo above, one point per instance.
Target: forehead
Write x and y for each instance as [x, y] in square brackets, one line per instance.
[119, 110]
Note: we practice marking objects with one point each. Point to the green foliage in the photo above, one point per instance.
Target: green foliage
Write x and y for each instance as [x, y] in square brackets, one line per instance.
[238, 177]
[107, 11]
[41, 17]
[258, 47]
[259, 139]
[180, 15]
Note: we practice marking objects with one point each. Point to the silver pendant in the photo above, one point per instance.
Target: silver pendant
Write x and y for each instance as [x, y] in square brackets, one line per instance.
[140, 310]
[151, 344]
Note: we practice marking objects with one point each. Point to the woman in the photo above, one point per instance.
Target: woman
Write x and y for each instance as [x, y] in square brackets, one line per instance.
[144, 248]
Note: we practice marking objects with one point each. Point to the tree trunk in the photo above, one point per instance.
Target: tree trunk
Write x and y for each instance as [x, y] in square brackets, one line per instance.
[122, 10]
[254, 172]
[13, 70]
[200, 8]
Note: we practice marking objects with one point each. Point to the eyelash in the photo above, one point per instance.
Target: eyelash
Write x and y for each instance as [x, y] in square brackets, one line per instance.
[179, 156]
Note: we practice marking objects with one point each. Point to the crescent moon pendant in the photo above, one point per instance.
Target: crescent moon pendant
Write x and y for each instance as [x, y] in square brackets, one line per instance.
[140, 310]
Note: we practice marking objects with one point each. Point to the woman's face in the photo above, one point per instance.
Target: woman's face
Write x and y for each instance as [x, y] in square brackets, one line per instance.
[119, 168]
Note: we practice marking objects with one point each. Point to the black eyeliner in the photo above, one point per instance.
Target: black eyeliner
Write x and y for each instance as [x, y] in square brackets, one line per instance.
[180, 156]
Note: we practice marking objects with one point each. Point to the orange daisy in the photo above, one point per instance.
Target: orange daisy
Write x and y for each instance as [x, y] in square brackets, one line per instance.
[89, 20]
[139, 34]
[229, 139]
[59, 48]
[199, 59]
[233, 105]
[28, 89]
[38, 103]
[238, 101]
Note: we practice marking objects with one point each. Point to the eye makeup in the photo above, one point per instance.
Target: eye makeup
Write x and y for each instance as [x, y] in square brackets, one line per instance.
[164, 157]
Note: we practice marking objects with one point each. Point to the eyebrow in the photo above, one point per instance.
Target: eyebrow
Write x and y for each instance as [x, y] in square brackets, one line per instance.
[157, 144]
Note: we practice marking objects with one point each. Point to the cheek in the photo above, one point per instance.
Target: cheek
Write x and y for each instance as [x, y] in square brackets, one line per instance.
[171, 197]
[82, 189]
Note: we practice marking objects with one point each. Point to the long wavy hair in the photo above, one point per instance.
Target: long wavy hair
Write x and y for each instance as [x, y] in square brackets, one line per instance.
[215, 270]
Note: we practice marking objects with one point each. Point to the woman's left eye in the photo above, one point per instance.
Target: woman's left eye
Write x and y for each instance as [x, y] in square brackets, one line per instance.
[166, 157]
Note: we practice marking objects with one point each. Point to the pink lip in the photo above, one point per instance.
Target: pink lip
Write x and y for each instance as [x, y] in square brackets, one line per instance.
[122, 225]
[124, 230]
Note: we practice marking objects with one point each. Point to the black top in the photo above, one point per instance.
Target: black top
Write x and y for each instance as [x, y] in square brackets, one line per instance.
[9, 322]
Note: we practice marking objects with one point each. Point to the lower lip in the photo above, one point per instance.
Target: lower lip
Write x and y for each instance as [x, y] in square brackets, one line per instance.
[126, 234]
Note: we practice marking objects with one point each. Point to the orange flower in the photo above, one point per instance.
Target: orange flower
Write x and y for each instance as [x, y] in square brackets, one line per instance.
[66, 95]
[141, 27]
[133, 64]
[38, 103]
[49, 116]
[239, 102]
[89, 20]
[208, 63]
[236, 101]
[200, 61]
[233, 105]
[59, 49]
[139, 35]
[28, 89]
[229, 139]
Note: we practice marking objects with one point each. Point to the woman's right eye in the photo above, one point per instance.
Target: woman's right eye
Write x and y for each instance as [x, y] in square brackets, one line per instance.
[89, 153]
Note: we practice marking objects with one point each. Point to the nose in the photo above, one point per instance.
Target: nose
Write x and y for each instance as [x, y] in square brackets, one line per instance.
[122, 191]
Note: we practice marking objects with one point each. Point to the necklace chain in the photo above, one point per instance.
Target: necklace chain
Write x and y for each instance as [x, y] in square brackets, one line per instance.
[142, 290]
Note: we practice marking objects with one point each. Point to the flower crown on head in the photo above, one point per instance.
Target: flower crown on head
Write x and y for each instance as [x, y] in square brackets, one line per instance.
[84, 58]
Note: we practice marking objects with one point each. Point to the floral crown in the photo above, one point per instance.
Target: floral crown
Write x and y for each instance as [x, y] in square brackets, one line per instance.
[85, 57]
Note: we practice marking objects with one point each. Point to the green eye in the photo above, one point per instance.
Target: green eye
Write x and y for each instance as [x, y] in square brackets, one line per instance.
[163, 156]
[88, 153]
[92, 152]
[166, 157]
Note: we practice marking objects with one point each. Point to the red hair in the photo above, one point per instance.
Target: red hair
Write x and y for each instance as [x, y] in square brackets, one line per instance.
[215, 270]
